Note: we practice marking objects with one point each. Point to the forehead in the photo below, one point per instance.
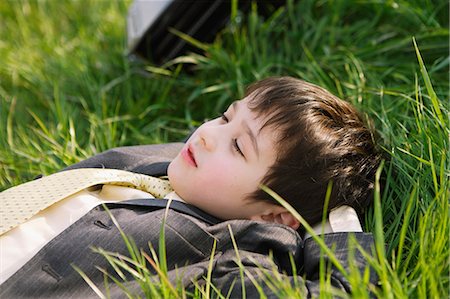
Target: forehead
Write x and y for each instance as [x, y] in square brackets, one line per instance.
[259, 118]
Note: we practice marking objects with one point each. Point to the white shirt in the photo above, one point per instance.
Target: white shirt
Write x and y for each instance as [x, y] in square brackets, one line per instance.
[341, 219]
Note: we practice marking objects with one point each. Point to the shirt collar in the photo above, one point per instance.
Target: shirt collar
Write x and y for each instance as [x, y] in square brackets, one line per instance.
[341, 219]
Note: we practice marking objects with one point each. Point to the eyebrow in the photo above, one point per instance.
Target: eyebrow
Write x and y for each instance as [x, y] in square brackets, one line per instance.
[249, 132]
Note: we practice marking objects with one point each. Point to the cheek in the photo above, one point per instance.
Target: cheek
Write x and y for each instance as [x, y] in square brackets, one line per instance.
[217, 181]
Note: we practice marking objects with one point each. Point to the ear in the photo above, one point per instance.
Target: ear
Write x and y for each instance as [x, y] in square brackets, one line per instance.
[278, 215]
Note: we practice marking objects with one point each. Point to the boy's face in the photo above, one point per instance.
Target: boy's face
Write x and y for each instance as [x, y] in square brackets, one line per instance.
[223, 162]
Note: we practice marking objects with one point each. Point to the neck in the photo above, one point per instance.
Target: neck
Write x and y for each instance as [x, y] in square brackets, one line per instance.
[173, 196]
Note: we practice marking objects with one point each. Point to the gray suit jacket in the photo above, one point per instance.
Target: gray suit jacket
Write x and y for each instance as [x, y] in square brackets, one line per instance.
[190, 234]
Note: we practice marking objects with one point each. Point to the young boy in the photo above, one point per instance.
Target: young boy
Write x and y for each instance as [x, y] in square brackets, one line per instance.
[290, 135]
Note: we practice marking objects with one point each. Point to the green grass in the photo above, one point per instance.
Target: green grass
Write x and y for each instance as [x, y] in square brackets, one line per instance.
[67, 92]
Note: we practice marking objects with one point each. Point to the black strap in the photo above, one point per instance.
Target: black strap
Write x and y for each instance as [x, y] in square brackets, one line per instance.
[174, 205]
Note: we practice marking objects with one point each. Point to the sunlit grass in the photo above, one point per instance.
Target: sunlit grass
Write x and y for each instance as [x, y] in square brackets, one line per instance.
[67, 92]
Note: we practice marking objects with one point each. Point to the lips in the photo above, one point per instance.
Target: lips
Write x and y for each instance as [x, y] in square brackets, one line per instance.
[188, 156]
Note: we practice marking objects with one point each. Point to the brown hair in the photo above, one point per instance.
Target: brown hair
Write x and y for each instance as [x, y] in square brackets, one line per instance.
[321, 138]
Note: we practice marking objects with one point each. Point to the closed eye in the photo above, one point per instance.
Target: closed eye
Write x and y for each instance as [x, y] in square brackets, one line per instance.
[235, 143]
[224, 118]
[237, 148]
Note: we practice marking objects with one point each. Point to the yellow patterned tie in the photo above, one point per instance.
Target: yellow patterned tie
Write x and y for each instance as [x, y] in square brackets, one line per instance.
[20, 203]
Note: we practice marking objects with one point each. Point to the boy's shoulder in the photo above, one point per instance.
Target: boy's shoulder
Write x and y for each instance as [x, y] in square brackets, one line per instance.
[151, 159]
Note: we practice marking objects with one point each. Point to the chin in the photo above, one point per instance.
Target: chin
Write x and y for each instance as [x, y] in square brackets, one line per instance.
[171, 175]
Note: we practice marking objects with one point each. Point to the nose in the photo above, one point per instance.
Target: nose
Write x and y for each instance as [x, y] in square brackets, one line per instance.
[207, 137]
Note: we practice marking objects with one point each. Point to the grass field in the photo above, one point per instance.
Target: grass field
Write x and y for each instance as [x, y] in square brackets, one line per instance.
[67, 92]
